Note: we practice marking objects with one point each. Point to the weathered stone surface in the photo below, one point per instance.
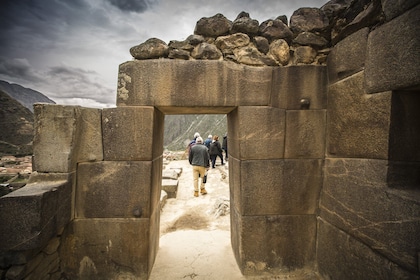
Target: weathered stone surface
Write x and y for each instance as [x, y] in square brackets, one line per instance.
[358, 15]
[259, 132]
[280, 51]
[100, 194]
[230, 42]
[214, 26]
[195, 39]
[350, 113]
[348, 56]
[88, 135]
[89, 246]
[151, 48]
[170, 186]
[336, 248]
[293, 83]
[309, 19]
[393, 9]
[244, 24]
[274, 30]
[206, 51]
[262, 44]
[263, 250]
[58, 145]
[357, 199]
[391, 65]
[130, 133]
[304, 55]
[305, 133]
[30, 216]
[278, 187]
[179, 54]
[53, 141]
[251, 56]
[202, 83]
[310, 39]
[181, 45]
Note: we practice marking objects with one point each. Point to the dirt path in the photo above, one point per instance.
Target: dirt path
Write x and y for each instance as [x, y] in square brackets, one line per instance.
[195, 239]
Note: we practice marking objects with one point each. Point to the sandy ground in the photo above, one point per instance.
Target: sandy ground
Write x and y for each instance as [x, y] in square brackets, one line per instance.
[195, 238]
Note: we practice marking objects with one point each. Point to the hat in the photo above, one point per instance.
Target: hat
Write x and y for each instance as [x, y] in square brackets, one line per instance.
[196, 135]
[210, 136]
[199, 140]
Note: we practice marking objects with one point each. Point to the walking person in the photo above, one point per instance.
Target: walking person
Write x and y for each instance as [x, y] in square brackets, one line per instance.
[207, 142]
[215, 151]
[225, 146]
[199, 159]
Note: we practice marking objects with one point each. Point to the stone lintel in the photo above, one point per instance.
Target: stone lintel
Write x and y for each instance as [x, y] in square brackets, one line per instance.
[200, 83]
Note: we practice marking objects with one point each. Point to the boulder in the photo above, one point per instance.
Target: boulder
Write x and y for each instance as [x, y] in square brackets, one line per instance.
[230, 42]
[280, 51]
[244, 24]
[206, 51]
[309, 19]
[214, 26]
[251, 56]
[304, 55]
[310, 39]
[151, 48]
[275, 29]
[262, 44]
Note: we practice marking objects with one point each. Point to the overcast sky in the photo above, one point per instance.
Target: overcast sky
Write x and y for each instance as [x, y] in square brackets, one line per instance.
[70, 50]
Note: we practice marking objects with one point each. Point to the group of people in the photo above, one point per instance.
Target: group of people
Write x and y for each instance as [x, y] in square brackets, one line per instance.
[200, 154]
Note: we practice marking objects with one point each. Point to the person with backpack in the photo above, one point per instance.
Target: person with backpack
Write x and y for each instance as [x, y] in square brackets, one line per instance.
[215, 151]
[199, 159]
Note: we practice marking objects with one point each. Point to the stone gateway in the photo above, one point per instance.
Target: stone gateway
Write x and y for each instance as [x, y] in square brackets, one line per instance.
[338, 192]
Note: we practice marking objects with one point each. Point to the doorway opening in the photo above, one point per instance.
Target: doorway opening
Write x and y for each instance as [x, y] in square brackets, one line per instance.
[194, 231]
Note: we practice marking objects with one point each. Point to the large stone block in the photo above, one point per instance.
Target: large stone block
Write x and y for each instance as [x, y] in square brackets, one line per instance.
[168, 84]
[340, 256]
[293, 83]
[276, 244]
[54, 138]
[278, 187]
[305, 133]
[106, 249]
[357, 123]
[348, 56]
[32, 215]
[357, 199]
[114, 189]
[132, 133]
[392, 59]
[392, 8]
[258, 132]
[64, 136]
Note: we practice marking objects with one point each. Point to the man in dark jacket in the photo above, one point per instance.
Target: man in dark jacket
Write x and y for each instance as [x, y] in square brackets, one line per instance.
[199, 159]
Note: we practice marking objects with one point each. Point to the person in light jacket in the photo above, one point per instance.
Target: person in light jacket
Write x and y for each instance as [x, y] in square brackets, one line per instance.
[199, 159]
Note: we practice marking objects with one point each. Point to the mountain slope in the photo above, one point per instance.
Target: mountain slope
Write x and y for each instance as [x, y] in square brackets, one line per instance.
[26, 96]
[180, 129]
[16, 127]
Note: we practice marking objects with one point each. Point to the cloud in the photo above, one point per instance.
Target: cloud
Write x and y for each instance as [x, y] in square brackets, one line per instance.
[137, 6]
[19, 67]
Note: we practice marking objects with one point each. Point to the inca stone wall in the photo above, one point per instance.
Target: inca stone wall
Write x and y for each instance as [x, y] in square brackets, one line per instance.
[332, 186]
